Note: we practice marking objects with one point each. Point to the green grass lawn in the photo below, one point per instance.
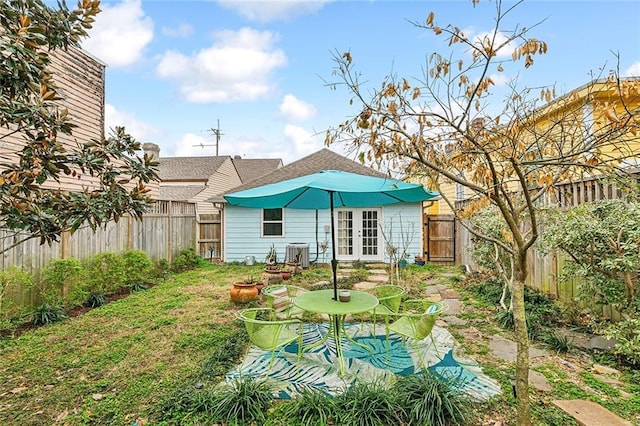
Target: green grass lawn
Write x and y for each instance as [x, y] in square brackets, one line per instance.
[119, 364]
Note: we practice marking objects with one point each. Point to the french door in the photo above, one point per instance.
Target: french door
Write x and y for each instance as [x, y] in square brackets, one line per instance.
[358, 235]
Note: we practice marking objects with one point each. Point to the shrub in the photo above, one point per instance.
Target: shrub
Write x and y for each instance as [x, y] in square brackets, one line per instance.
[61, 283]
[627, 335]
[162, 268]
[48, 314]
[186, 259]
[13, 282]
[428, 400]
[138, 268]
[104, 273]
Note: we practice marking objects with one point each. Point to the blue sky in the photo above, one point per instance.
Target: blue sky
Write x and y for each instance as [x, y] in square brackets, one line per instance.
[174, 68]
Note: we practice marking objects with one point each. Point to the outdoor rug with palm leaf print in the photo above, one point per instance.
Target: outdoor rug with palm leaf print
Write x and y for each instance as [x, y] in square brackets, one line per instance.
[319, 369]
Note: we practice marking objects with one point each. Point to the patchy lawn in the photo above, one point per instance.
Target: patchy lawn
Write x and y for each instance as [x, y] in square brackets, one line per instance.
[117, 364]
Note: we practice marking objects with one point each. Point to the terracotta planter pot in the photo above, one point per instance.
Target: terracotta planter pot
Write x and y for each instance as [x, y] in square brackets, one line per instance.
[286, 275]
[242, 292]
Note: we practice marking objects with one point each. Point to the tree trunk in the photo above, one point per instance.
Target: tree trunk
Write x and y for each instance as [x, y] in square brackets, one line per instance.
[522, 340]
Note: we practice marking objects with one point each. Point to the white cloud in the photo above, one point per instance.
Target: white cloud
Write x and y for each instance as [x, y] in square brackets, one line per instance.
[141, 131]
[181, 31]
[304, 142]
[120, 34]
[293, 109]
[633, 70]
[235, 68]
[500, 38]
[499, 80]
[190, 145]
[268, 10]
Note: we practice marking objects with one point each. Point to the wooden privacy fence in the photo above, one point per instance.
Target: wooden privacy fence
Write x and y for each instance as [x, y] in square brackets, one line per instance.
[544, 270]
[210, 236]
[162, 232]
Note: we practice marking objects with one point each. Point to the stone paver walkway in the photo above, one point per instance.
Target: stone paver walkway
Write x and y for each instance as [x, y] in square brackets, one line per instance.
[586, 413]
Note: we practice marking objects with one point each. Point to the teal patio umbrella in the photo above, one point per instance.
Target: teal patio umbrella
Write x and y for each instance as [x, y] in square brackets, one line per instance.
[329, 189]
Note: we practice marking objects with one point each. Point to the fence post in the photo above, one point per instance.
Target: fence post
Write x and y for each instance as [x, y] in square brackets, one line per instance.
[170, 232]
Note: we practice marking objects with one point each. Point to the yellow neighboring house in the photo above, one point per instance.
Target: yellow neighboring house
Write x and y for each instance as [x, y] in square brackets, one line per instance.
[585, 114]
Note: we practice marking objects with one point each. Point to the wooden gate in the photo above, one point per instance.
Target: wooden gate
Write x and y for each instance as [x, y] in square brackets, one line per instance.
[440, 239]
[210, 236]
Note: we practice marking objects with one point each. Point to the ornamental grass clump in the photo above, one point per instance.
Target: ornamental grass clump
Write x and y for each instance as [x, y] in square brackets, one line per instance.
[425, 399]
[242, 401]
[368, 404]
[311, 408]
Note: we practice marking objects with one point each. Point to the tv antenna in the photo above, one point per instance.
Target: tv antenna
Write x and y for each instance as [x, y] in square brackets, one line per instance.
[217, 134]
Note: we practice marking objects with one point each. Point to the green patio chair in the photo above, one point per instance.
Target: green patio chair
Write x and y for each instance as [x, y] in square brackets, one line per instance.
[415, 322]
[280, 298]
[390, 298]
[269, 333]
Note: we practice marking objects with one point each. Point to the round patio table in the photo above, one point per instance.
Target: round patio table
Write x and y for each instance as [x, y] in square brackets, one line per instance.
[321, 301]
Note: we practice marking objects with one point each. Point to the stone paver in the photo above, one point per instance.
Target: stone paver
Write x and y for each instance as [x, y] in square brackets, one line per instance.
[435, 297]
[378, 278]
[603, 369]
[588, 413]
[453, 320]
[539, 382]
[435, 289]
[601, 343]
[578, 339]
[455, 306]
[471, 334]
[364, 285]
[608, 380]
[506, 349]
[450, 293]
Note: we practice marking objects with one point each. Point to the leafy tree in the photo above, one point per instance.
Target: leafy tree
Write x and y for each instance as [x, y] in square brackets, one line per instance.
[602, 240]
[30, 197]
[447, 127]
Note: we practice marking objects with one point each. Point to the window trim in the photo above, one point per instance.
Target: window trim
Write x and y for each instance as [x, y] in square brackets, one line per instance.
[263, 222]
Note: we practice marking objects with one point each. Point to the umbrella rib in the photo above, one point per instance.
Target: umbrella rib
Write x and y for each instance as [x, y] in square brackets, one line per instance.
[295, 198]
[392, 196]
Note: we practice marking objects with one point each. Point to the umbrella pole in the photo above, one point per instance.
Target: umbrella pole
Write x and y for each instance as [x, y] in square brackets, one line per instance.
[334, 261]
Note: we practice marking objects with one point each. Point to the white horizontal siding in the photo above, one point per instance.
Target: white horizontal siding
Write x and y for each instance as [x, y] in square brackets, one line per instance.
[243, 234]
[403, 220]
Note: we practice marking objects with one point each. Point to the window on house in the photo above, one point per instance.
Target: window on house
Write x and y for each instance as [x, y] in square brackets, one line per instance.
[272, 223]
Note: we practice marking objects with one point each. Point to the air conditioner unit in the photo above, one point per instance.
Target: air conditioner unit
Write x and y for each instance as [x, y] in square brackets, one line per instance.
[292, 251]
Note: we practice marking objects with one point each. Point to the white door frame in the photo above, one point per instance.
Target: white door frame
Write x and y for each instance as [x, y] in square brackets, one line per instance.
[359, 238]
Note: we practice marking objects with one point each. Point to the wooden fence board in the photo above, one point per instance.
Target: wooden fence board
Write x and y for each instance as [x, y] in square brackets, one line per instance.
[544, 270]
